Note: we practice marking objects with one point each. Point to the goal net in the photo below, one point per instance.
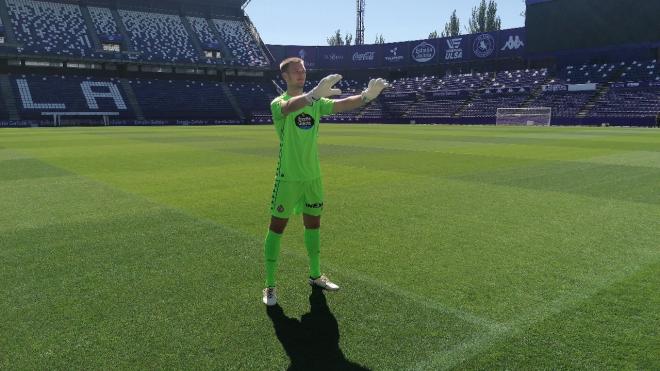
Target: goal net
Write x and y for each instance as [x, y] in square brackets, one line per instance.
[535, 116]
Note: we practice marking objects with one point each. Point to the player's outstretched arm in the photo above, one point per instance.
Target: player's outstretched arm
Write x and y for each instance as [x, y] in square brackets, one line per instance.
[323, 90]
[372, 92]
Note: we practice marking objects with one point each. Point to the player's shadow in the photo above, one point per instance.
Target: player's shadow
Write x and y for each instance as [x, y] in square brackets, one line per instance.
[312, 343]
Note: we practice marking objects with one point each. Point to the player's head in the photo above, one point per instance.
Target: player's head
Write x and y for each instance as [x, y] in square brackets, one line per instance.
[294, 72]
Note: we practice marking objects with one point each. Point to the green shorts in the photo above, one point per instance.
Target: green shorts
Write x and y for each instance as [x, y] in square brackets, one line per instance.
[296, 197]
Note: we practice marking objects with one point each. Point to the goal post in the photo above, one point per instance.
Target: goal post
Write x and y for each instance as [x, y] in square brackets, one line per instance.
[533, 116]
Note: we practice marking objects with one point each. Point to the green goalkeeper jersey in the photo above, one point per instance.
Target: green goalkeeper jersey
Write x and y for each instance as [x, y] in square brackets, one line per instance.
[298, 132]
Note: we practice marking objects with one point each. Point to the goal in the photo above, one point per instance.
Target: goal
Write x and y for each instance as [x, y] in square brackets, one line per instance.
[534, 116]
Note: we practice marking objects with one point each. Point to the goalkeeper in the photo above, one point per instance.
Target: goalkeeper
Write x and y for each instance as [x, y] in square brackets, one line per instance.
[298, 186]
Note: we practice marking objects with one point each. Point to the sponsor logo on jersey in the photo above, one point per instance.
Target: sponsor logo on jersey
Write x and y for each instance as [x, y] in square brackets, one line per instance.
[314, 206]
[514, 43]
[484, 45]
[304, 121]
[454, 49]
[423, 52]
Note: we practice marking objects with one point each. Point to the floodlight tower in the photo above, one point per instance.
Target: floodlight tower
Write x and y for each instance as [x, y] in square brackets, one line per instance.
[359, 32]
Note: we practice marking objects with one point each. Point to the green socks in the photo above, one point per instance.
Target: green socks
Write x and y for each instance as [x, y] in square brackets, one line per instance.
[271, 252]
[313, 245]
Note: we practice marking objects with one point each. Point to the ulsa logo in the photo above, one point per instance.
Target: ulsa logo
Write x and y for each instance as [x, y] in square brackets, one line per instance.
[394, 57]
[484, 45]
[362, 57]
[454, 49]
[423, 52]
[514, 43]
[304, 121]
[302, 54]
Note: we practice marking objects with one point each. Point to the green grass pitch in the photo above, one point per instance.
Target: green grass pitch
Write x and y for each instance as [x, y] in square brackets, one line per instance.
[456, 248]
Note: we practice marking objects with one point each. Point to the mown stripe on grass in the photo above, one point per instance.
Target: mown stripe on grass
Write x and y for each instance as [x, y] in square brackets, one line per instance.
[620, 182]
[581, 177]
[490, 250]
[27, 168]
[630, 158]
[77, 291]
[448, 359]
[35, 202]
[599, 143]
[463, 315]
[8, 154]
[503, 151]
[615, 329]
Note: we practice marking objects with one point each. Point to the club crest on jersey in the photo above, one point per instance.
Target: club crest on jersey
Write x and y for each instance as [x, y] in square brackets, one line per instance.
[304, 121]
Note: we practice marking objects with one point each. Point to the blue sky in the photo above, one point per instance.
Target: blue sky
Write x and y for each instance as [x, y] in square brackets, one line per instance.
[310, 22]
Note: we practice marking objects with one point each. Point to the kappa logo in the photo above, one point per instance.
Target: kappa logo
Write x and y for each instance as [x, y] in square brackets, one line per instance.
[454, 49]
[423, 52]
[484, 45]
[304, 121]
[514, 43]
[394, 56]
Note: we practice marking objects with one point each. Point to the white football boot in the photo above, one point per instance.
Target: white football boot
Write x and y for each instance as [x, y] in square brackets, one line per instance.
[270, 296]
[324, 283]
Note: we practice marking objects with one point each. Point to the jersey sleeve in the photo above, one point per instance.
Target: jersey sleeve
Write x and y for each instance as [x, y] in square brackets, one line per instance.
[326, 106]
[276, 109]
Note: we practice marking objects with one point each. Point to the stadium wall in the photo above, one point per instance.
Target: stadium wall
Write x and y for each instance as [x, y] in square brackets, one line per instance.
[505, 44]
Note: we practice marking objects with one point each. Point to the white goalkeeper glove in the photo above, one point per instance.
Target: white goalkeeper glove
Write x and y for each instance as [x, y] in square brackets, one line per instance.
[324, 89]
[374, 89]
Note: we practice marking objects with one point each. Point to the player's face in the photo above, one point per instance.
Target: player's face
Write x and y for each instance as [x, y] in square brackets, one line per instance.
[295, 76]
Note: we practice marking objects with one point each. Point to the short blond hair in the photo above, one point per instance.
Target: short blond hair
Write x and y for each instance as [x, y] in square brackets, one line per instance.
[284, 66]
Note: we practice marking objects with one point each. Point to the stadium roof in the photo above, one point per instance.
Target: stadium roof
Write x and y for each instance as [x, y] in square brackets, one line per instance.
[225, 3]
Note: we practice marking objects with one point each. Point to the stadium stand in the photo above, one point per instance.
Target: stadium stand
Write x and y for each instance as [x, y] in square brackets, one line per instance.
[203, 30]
[486, 105]
[252, 96]
[43, 93]
[563, 104]
[104, 23]
[237, 85]
[58, 99]
[519, 78]
[4, 115]
[627, 103]
[50, 28]
[444, 108]
[205, 35]
[459, 82]
[594, 73]
[641, 71]
[159, 37]
[238, 38]
[183, 99]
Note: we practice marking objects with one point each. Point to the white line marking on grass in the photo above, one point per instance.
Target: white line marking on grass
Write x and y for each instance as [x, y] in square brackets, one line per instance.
[466, 316]
[472, 348]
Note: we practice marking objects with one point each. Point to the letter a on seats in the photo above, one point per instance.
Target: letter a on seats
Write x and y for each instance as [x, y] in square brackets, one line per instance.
[111, 91]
